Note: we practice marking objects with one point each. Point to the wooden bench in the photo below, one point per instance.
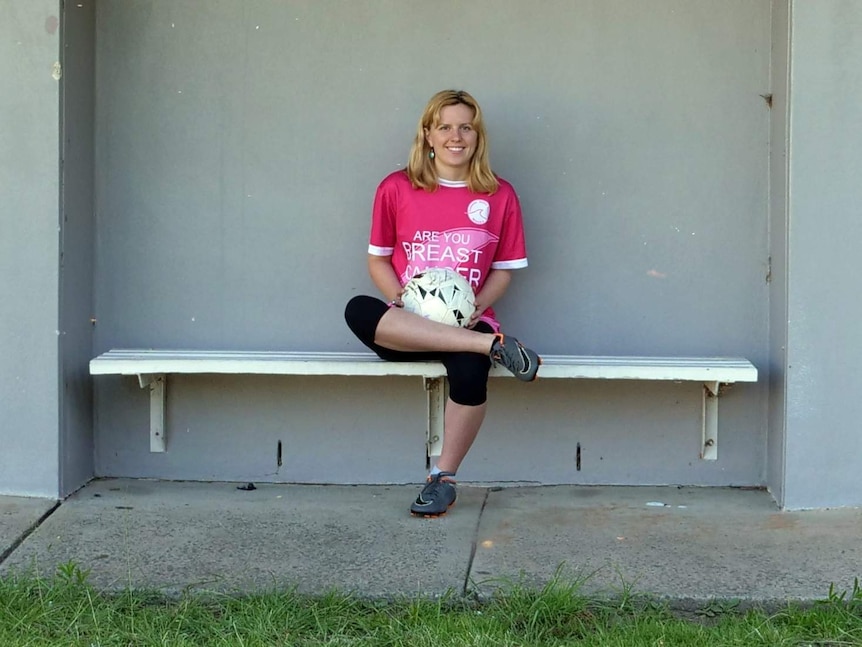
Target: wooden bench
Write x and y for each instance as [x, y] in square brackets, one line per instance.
[153, 366]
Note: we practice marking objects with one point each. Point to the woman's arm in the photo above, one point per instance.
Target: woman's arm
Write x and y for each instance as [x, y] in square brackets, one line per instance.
[384, 277]
[495, 286]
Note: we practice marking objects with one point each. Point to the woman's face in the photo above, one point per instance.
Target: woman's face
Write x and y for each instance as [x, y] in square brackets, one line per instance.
[454, 141]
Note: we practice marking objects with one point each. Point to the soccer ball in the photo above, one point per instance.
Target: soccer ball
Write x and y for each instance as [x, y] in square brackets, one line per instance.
[440, 294]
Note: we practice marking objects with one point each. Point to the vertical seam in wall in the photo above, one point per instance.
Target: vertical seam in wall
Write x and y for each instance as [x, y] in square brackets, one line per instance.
[774, 321]
[787, 227]
[61, 234]
[95, 305]
[769, 231]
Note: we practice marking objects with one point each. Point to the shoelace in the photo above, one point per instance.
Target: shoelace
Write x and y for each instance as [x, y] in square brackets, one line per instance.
[497, 357]
[434, 483]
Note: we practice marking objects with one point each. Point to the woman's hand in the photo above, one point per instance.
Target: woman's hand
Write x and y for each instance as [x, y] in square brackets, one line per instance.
[477, 313]
[396, 301]
[495, 286]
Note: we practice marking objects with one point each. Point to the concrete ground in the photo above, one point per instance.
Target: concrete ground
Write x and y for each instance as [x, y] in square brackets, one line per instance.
[687, 545]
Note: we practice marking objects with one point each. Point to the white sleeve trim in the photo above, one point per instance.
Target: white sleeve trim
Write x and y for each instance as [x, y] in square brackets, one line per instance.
[515, 264]
[374, 250]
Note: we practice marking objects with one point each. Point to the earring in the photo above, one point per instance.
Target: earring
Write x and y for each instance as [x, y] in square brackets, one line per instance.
[431, 154]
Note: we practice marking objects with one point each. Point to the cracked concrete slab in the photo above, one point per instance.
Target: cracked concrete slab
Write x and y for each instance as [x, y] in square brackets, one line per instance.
[18, 516]
[172, 536]
[687, 545]
[677, 543]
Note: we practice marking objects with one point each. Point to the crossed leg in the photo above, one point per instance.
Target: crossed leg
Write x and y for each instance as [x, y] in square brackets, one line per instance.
[405, 331]
[392, 329]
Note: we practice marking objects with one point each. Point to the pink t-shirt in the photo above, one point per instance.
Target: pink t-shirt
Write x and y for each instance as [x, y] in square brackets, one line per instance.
[453, 227]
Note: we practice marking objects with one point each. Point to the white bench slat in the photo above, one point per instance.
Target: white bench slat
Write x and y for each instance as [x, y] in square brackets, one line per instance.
[134, 362]
[151, 367]
[137, 362]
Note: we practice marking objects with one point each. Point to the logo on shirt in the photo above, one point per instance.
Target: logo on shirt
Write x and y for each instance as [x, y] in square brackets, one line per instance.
[478, 211]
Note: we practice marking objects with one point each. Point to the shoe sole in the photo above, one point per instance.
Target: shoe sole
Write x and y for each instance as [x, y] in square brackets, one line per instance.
[536, 376]
[422, 515]
[539, 363]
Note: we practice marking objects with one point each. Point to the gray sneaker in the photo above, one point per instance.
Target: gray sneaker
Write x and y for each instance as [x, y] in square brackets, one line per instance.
[436, 497]
[517, 358]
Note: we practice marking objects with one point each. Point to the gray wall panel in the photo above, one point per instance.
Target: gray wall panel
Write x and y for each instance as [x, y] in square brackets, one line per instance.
[628, 432]
[239, 145]
[229, 427]
[77, 114]
[29, 188]
[823, 443]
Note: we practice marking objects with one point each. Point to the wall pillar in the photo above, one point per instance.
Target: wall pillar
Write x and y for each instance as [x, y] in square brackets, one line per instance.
[817, 457]
[46, 217]
[29, 249]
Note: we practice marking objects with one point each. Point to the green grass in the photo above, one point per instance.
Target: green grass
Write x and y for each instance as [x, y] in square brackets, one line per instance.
[66, 610]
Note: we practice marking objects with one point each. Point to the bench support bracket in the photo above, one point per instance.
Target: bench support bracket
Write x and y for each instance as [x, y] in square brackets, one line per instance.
[709, 448]
[435, 390]
[157, 383]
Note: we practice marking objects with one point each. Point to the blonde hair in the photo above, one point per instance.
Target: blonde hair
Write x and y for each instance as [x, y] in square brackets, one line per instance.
[420, 167]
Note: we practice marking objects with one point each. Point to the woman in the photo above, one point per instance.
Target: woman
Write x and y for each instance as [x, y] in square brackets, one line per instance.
[446, 209]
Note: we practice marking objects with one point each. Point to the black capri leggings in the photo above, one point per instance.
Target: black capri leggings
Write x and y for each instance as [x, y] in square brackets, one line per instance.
[467, 372]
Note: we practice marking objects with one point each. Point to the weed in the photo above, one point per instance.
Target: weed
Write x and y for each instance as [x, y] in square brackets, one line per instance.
[71, 574]
[716, 608]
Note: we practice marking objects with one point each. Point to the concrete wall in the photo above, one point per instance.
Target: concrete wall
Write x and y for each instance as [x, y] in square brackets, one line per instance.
[77, 241]
[238, 146]
[822, 439]
[674, 211]
[676, 214]
[29, 208]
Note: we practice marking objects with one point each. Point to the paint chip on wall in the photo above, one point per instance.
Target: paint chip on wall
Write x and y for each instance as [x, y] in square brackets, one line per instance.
[51, 24]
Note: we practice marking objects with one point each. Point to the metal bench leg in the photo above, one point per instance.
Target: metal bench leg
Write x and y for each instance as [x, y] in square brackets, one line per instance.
[709, 451]
[435, 390]
[157, 409]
